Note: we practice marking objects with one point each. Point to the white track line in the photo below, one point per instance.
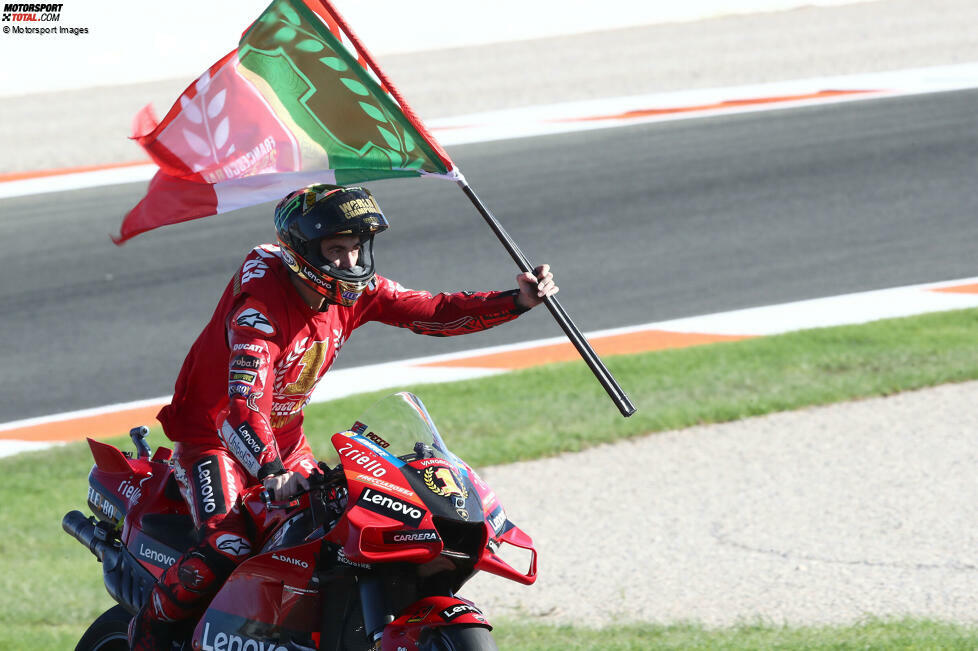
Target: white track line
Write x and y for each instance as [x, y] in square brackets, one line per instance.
[846, 309]
[601, 114]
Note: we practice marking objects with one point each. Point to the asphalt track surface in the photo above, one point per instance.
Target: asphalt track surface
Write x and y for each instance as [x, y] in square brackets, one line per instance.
[641, 224]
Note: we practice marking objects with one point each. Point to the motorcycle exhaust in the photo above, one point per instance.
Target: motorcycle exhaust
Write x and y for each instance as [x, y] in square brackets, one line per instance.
[85, 531]
[126, 580]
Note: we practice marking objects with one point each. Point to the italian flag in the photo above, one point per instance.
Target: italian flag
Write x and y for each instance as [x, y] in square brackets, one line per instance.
[299, 101]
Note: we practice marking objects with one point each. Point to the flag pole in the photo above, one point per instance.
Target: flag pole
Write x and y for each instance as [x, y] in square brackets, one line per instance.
[591, 358]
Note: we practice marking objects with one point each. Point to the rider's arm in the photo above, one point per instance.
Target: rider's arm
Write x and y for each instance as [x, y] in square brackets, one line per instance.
[448, 314]
[244, 427]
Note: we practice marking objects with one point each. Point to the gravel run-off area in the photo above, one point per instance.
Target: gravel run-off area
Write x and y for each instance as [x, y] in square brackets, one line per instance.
[823, 515]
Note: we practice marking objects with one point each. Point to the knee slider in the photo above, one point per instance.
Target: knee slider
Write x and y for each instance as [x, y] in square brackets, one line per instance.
[183, 588]
[209, 563]
[197, 575]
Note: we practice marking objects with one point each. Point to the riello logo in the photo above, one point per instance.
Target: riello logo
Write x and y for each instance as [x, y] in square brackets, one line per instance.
[29, 12]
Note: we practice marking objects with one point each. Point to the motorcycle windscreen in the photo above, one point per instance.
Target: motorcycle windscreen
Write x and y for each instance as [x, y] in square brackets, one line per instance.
[398, 465]
[399, 431]
[399, 426]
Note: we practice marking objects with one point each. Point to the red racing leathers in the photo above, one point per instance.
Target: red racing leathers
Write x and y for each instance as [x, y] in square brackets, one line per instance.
[256, 364]
[236, 413]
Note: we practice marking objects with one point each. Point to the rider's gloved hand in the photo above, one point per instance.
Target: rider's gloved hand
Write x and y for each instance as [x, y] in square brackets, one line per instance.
[534, 287]
[285, 485]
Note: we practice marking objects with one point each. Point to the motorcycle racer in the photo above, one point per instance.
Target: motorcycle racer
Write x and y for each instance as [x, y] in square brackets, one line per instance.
[236, 414]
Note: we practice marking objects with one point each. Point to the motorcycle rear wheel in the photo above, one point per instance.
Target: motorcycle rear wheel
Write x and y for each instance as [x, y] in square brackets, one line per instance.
[459, 638]
[109, 632]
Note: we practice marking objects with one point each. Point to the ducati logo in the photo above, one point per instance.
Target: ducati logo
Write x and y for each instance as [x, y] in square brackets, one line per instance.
[420, 615]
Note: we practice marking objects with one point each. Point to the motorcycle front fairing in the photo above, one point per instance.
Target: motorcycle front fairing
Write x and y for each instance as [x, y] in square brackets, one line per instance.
[395, 453]
[501, 531]
[407, 491]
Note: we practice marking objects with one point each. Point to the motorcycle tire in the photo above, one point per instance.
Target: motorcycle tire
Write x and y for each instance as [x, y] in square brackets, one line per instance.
[459, 638]
[109, 632]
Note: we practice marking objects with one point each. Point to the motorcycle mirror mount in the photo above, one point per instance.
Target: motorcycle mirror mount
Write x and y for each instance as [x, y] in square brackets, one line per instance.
[423, 451]
[138, 436]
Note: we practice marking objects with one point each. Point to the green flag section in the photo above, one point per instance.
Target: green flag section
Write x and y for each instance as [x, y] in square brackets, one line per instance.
[299, 101]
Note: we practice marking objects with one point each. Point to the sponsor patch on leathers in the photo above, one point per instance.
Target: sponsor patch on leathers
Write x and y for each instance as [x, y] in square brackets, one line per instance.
[245, 444]
[252, 318]
[208, 491]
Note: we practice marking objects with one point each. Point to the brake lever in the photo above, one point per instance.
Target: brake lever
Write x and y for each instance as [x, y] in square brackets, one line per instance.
[272, 505]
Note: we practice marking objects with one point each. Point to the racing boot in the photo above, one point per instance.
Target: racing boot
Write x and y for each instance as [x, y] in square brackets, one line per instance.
[147, 633]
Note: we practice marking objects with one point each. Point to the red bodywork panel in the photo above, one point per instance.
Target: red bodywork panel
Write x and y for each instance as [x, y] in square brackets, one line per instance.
[271, 591]
[109, 458]
[123, 489]
[382, 502]
[501, 532]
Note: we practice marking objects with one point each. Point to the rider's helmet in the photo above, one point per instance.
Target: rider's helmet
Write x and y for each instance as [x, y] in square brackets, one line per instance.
[307, 216]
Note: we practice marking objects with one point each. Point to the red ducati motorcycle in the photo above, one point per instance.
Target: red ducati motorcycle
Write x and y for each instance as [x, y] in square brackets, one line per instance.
[370, 558]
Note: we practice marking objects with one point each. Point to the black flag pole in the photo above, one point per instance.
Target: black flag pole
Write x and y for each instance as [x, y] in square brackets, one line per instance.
[591, 358]
[583, 347]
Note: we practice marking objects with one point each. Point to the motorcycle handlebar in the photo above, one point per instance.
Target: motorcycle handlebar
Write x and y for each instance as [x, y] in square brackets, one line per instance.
[268, 497]
[322, 477]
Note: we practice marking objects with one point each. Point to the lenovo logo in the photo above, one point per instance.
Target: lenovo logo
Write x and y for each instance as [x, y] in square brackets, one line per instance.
[391, 507]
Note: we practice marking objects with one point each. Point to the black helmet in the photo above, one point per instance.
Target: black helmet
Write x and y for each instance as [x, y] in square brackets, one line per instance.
[307, 216]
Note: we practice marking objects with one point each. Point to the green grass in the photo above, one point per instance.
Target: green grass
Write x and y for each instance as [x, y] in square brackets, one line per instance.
[50, 586]
[558, 408]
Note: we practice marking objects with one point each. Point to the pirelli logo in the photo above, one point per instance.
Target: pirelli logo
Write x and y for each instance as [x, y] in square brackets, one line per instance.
[242, 376]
